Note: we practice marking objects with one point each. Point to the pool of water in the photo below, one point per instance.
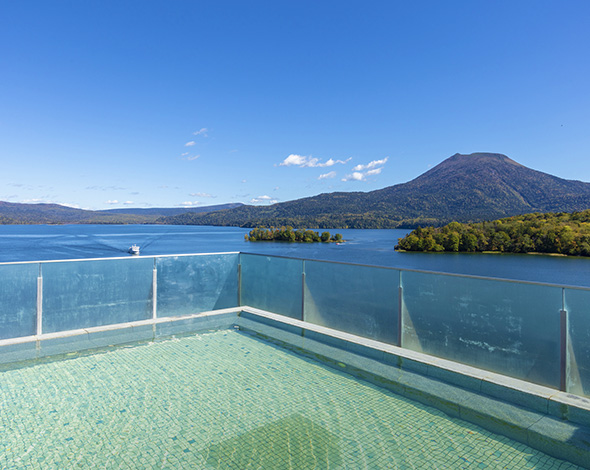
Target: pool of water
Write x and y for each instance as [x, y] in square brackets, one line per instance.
[230, 401]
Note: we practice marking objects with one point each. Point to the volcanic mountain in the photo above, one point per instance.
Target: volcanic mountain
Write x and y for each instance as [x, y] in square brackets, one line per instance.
[475, 187]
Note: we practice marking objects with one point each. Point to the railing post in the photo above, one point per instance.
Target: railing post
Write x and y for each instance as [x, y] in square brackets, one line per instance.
[563, 344]
[400, 325]
[302, 290]
[240, 283]
[155, 291]
[40, 302]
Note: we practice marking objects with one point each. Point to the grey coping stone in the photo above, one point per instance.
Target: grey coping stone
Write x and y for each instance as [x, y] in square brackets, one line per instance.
[561, 439]
[515, 395]
[570, 408]
[499, 416]
[64, 345]
[413, 365]
[18, 352]
[130, 334]
[445, 397]
[455, 377]
[171, 326]
[294, 329]
[292, 336]
[340, 343]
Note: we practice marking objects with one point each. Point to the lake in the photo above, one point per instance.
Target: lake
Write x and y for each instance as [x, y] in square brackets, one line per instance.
[374, 247]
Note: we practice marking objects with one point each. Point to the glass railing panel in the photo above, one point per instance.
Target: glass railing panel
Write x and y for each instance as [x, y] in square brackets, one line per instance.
[577, 305]
[272, 284]
[360, 300]
[193, 284]
[505, 327]
[18, 300]
[83, 294]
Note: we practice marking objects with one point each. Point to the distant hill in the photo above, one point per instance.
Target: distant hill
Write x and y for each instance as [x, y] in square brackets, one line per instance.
[16, 213]
[163, 211]
[463, 188]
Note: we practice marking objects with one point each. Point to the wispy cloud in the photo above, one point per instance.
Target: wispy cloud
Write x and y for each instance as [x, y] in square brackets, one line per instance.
[263, 199]
[127, 203]
[360, 172]
[303, 161]
[371, 165]
[190, 144]
[106, 188]
[184, 154]
[112, 201]
[200, 195]
[191, 158]
[189, 203]
[331, 174]
[202, 131]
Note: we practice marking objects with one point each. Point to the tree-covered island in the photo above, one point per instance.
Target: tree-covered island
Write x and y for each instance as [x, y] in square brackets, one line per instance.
[552, 233]
[287, 234]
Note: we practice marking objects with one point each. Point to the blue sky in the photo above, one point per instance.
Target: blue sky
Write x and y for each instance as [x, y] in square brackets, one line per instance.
[107, 104]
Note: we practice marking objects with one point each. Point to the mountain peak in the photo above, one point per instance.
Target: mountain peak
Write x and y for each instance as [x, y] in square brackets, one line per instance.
[481, 157]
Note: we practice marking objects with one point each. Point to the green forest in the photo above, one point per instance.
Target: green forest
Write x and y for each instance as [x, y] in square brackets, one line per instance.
[287, 234]
[556, 233]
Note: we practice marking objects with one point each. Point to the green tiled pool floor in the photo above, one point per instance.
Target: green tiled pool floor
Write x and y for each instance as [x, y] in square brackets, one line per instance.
[225, 400]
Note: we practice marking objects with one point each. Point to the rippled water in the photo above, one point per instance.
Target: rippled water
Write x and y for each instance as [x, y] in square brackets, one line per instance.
[44, 242]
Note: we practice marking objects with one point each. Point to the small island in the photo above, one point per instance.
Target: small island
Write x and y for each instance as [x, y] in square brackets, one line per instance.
[551, 233]
[287, 234]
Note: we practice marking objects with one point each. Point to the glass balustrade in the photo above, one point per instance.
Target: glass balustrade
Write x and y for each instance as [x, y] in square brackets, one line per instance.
[362, 300]
[193, 284]
[18, 300]
[272, 283]
[505, 327]
[83, 294]
[577, 305]
[508, 327]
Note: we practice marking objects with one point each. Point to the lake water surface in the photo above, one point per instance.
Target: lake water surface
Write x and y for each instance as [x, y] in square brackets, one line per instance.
[374, 247]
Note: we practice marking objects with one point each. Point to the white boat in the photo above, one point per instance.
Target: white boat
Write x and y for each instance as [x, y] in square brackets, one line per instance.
[134, 249]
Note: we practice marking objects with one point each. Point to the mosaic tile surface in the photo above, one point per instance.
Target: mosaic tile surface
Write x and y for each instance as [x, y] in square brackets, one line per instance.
[224, 400]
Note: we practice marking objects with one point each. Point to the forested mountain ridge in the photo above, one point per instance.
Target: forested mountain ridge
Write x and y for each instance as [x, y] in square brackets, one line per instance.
[475, 187]
[17, 213]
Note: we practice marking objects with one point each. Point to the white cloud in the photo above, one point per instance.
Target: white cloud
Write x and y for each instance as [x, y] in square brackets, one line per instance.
[294, 160]
[371, 165]
[203, 131]
[128, 203]
[190, 203]
[303, 161]
[243, 181]
[331, 174]
[200, 195]
[184, 154]
[356, 176]
[358, 173]
[190, 144]
[112, 201]
[263, 199]
[191, 158]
